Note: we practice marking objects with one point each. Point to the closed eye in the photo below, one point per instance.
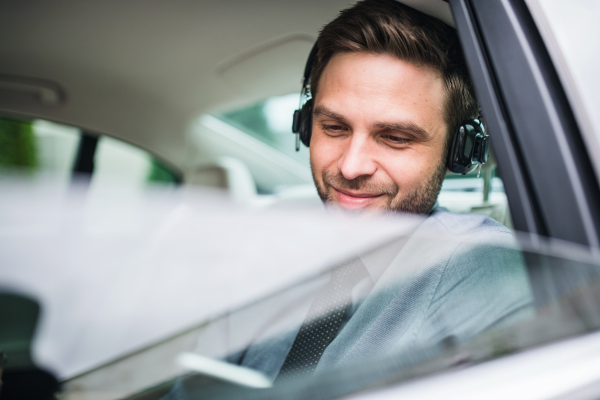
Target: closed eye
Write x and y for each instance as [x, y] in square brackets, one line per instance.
[395, 140]
[334, 128]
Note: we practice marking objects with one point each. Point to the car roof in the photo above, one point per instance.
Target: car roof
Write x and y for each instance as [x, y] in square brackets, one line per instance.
[141, 71]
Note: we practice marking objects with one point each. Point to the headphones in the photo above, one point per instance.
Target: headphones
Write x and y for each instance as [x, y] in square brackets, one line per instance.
[469, 148]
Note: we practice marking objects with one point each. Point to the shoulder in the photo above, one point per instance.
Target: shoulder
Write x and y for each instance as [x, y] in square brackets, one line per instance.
[472, 247]
[483, 255]
[446, 238]
[484, 280]
[472, 228]
[472, 236]
[466, 223]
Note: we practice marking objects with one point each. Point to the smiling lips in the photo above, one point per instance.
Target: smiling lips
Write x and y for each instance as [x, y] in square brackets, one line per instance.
[355, 200]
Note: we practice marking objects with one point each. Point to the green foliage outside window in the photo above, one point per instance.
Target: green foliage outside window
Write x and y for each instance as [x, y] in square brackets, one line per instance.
[18, 147]
[161, 173]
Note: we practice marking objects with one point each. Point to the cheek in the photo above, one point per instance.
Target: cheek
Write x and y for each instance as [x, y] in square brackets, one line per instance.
[323, 153]
[410, 168]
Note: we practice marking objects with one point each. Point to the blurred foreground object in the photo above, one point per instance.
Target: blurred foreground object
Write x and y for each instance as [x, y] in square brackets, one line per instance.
[21, 378]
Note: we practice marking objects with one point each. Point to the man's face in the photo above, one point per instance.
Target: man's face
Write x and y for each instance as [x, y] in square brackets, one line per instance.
[379, 136]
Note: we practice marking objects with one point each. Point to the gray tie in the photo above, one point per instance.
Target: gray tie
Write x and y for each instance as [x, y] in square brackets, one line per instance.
[323, 320]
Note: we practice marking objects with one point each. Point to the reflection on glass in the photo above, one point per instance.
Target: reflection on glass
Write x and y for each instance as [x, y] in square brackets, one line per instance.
[438, 303]
[397, 306]
[448, 294]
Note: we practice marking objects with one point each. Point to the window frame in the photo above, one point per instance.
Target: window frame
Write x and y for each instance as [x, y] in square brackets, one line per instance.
[534, 133]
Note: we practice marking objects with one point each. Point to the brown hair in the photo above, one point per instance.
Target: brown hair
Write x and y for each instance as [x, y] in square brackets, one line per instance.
[389, 27]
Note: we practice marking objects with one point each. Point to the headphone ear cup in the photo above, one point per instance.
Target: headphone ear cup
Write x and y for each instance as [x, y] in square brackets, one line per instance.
[453, 160]
[306, 122]
[463, 154]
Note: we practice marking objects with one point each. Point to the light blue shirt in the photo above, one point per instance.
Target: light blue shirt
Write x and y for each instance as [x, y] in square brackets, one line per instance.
[456, 276]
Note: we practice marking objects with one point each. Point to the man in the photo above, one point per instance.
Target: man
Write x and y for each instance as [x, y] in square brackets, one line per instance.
[389, 90]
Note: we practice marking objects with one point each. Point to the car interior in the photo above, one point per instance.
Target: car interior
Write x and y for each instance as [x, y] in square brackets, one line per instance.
[210, 104]
[192, 94]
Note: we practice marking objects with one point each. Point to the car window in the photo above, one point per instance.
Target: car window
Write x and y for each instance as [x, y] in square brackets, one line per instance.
[483, 194]
[478, 312]
[270, 121]
[37, 147]
[270, 155]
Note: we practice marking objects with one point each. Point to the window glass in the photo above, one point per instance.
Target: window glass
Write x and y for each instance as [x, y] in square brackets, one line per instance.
[39, 146]
[270, 121]
[479, 195]
[30, 148]
[17, 145]
[491, 300]
[115, 160]
[57, 146]
[122, 173]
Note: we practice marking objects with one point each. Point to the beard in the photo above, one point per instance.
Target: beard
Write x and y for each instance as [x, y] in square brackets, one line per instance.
[420, 200]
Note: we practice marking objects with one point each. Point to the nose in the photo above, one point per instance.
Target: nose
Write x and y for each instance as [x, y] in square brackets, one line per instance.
[357, 159]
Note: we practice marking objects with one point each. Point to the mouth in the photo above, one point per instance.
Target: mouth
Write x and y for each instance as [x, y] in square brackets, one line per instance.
[355, 200]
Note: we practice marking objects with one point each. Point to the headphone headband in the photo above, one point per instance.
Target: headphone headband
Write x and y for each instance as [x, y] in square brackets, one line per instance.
[309, 64]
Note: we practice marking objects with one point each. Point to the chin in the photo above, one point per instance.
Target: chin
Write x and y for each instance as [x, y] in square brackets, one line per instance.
[368, 210]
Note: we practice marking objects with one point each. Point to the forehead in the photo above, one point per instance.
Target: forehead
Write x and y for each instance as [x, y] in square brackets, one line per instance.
[381, 86]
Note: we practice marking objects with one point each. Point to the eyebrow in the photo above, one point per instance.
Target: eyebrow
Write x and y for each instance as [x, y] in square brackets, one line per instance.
[408, 127]
[321, 110]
